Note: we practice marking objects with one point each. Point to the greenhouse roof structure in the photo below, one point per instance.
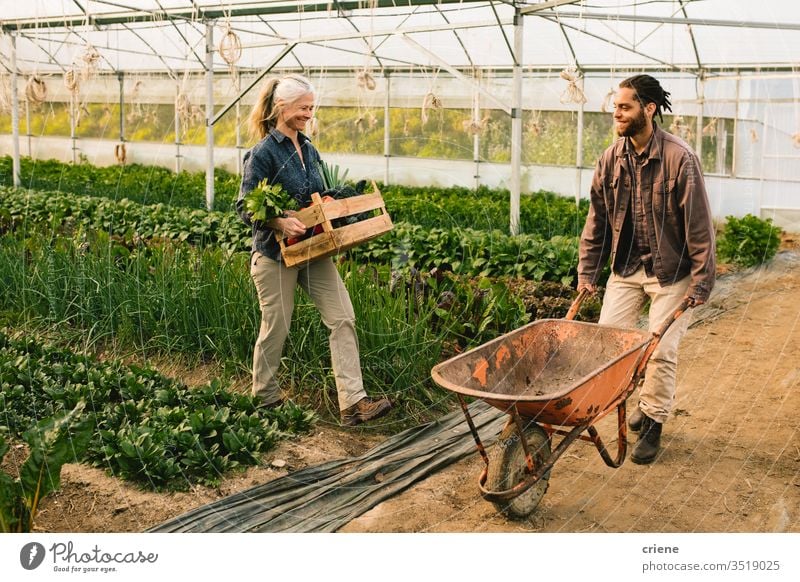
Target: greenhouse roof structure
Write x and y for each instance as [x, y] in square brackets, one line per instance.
[697, 37]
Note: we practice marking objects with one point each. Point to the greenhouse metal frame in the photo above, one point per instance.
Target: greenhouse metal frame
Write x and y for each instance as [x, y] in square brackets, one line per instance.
[731, 58]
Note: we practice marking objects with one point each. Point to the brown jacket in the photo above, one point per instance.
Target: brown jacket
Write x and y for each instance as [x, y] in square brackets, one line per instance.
[678, 224]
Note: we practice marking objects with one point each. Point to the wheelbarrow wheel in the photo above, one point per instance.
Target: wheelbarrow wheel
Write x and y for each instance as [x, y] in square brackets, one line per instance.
[507, 468]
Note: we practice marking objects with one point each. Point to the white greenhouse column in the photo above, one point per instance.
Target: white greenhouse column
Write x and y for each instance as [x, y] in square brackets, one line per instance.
[121, 77]
[177, 131]
[209, 116]
[476, 138]
[28, 126]
[516, 124]
[16, 171]
[387, 128]
[698, 139]
[579, 151]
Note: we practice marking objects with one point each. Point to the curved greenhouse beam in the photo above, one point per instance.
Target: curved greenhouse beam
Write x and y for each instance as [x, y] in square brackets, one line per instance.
[182, 36]
[691, 36]
[364, 37]
[665, 64]
[458, 38]
[170, 72]
[503, 32]
[278, 36]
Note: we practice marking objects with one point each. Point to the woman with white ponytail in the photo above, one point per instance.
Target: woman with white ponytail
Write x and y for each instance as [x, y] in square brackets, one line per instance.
[284, 155]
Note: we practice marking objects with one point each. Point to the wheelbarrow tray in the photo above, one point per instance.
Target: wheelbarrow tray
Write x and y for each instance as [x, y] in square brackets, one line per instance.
[556, 371]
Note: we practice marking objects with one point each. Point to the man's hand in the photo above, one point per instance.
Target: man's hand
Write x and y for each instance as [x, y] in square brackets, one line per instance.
[589, 287]
[693, 301]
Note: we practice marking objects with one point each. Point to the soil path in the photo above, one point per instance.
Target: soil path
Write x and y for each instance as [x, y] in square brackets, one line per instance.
[731, 459]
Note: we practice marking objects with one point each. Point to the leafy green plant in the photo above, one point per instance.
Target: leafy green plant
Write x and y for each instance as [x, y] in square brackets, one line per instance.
[267, 201]
[748, 241]
[330, 175]
[53, 441]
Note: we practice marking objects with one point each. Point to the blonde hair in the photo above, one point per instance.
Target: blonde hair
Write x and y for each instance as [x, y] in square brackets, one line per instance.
[275, 94]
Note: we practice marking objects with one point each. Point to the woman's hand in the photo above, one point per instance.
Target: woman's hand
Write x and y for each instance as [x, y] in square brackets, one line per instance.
[289, 226]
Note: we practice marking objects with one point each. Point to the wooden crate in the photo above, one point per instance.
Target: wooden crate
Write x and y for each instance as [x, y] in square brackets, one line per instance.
[332, 241]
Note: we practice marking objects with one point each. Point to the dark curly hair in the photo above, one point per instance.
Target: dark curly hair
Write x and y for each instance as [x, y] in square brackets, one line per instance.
[649, 90]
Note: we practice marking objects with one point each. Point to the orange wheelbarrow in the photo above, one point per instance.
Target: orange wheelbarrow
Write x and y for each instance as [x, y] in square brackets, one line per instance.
[553, 377]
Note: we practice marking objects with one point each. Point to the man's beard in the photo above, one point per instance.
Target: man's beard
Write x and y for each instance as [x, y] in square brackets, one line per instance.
[636, 125]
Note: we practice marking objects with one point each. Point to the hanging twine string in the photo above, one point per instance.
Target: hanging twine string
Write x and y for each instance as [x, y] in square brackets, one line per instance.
[710, 129]
[230, 49]
[35, 90]
[430, 101]
[365, 80]
[608, 101]
[573, 93]
[535, 125]
[5, 93]
[475, 127]
[753, 136]
[72, 81]
[120, 153]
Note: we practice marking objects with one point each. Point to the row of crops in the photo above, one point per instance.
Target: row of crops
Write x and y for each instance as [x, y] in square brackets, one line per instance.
[124, 262]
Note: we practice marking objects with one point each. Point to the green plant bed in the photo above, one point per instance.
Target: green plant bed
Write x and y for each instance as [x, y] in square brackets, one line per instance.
[150, 429]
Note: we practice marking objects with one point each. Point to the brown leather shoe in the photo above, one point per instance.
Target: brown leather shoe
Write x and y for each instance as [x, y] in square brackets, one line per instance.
[365, 410]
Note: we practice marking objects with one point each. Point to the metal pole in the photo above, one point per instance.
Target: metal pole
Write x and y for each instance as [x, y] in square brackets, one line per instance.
[699, 126]
[735, 129]
[579, 151]
[387, 129]
[476, 138]
[15, 165]
[121, 76]
[72, 127]
[28, 126]
[177, 131]
[238, 139]
[209, 115]
[516, 123]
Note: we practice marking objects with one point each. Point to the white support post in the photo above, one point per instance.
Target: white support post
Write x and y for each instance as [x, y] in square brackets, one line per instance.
[209, 115]
[239, 168]
[177, 132]
[121, 77]
[72, 124]
[387, 128]
[699, 126]
[28, 126]
[579, 152]
[476, 138]
[736, 127]
[15, 165]
[516, 125]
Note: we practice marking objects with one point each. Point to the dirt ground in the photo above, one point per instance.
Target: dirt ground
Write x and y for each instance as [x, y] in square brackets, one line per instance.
[730, 460]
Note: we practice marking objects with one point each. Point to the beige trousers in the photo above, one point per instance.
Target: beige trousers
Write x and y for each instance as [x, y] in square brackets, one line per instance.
[276, 284]
[623, 302]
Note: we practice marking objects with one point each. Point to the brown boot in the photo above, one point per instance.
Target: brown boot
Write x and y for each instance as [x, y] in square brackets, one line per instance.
[365, 410]
[649, 442]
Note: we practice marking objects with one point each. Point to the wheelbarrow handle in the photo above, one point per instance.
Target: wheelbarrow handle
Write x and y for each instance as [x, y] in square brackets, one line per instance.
[576, 304]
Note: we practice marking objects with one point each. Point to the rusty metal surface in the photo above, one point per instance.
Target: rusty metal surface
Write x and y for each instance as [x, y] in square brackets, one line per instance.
[556, 371]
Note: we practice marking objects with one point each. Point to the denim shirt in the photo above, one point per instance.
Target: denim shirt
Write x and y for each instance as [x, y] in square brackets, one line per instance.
[276, 159]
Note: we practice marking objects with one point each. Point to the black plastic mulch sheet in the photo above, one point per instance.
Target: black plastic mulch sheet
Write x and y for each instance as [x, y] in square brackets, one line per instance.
[326, 497]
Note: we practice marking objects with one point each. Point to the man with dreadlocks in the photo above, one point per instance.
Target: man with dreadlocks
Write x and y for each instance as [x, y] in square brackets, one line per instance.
[650, 215]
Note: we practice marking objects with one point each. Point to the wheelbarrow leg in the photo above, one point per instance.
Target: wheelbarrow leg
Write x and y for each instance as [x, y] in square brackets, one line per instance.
[622, 439]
